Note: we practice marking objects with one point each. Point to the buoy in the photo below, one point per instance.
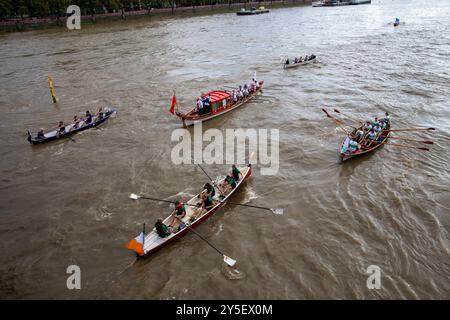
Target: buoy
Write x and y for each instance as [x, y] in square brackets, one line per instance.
[52, 89]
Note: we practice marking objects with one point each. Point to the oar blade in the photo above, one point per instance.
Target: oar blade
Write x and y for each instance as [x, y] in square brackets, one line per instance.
[428, 142]
[229, 261]
[134, 196]
[326, 113]
[426, 149]
[279, 211]
[336, 110]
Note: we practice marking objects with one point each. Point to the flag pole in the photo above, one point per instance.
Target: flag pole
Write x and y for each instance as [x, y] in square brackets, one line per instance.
[143, 240]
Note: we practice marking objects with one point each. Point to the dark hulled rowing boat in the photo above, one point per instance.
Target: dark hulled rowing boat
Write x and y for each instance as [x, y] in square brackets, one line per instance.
[69, 130]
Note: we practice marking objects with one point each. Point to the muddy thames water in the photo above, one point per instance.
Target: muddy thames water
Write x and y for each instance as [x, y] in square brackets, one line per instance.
[66, 203]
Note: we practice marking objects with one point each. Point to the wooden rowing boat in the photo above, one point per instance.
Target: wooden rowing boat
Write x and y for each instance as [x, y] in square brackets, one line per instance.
[221, 103]
[384, 135]
[154, 242]
[69, 130]
[294, 65]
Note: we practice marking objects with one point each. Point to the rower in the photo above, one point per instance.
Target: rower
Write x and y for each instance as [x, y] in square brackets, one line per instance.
[88, 119]
[387, 118]
[287, 61]
[367, 126]
[100, 113]
[371, 137]
[207, 204]
[306, 58]
[40, 134]
[245, 91]
[209, 190]
[76, 122]
[345, 145]
[161, 229]
[359, 135]
[235, 97]
[61, 129]
[353, 145]
[235, 173]
[295, 60]
[377, 128]
[240, 93]
[227, 185]
[179, 212]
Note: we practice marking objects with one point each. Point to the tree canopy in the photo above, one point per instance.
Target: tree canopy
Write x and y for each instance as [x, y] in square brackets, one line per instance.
[44, 8]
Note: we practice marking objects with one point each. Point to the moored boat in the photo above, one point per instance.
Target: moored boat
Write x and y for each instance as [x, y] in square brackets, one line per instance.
[363, 149]
[69, 129]
[153, 242]
[221, 102]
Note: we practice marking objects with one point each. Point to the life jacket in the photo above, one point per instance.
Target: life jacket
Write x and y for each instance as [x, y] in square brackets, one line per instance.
[160, 230]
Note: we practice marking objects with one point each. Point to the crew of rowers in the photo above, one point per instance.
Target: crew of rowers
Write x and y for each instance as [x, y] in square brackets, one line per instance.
[370, 132]
[206, 203]
[242, 92]
[61, 128]
[301, 59]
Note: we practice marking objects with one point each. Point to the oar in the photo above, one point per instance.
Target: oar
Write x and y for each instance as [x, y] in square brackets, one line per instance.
[231, 262]
[413, 140]
[339, 123]
[348, 117]
[405, 146]
[136, 197]
[412, 129]
[279, 211]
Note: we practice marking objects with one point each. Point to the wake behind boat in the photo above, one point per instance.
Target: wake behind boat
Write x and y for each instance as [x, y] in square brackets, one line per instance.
[217, 102]
[65, 131]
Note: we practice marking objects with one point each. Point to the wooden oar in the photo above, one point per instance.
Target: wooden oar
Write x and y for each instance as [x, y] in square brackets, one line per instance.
[339, 123]
[413, 140]
[406, 146]
[412, 129]
[348, 117]
[231, 262]
[136, 197]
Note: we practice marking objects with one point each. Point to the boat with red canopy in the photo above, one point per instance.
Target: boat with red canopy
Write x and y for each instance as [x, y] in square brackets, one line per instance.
[221, 102]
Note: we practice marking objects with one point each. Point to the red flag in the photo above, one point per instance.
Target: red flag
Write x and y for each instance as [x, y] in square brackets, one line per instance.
[174, 102]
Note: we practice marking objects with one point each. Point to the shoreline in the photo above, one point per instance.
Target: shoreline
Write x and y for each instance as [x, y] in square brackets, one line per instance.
[15, 25]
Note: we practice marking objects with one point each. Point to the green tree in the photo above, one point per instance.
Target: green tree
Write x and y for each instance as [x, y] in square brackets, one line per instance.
[6, 9]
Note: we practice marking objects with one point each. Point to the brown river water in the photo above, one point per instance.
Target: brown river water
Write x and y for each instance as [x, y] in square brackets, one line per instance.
[66, 202]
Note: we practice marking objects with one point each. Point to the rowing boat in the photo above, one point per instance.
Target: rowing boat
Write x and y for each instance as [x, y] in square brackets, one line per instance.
[252, 11]
[384, 136]
[293, 65]
[154, 242]
[221, 103]
[69, 129]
